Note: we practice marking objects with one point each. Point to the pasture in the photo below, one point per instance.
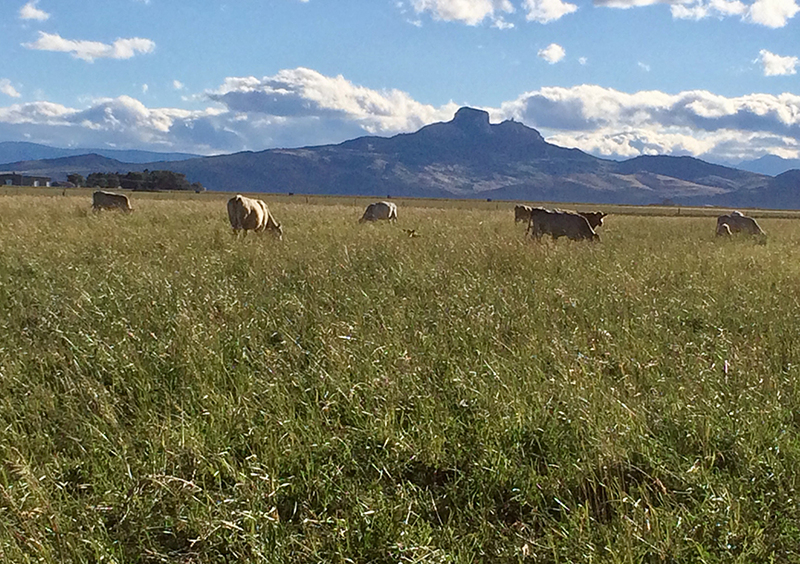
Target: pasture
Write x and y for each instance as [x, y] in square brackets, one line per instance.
[171, 394]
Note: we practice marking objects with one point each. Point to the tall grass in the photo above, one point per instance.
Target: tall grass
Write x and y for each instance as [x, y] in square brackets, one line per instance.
[169, 393]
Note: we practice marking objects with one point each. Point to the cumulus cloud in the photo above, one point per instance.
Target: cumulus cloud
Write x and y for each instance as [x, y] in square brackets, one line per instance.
[700, 9]
[91, 50]
[304, 92]
[609, 122]
[775, 65]
[30, 12]
[625, 4]
[552, 53]
[545, 11]
[470, 12]
[292, 108]
[770, 13]
[178, 85]
[8, 89]
[301, 107]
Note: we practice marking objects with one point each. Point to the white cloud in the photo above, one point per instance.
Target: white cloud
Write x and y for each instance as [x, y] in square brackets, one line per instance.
[583, 60]
[645, 67]
[500, 23]
[8, 89]
[625, 4]
[772, 13]
[700, 9]
[293, 108]
[609, 122]
[304, 92]
[30, 12]
[39, 113]
[178, 85]
[775, 65]
[545, 11]
[301, 107]
[145, 88]
[91, 50]
[470, 12]
[552, 53]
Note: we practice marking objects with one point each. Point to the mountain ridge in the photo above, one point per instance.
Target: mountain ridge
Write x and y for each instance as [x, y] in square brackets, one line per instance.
[469, 157]
[21, 151]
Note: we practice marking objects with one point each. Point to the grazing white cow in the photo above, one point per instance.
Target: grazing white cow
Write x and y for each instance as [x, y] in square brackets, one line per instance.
[250, 214]
[559, 223]
[380, 210]
[110, 201]
[739, 223]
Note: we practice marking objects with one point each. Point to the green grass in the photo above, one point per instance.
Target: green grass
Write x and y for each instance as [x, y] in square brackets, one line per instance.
[171, 394]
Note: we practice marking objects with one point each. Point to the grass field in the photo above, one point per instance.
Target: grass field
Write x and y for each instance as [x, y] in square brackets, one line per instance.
[171, 394]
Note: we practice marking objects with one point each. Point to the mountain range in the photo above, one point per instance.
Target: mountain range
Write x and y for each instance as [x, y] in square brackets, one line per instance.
[466, 157]
[16, 151]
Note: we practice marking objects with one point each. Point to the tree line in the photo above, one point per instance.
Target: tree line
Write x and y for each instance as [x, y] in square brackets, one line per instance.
[148, 180]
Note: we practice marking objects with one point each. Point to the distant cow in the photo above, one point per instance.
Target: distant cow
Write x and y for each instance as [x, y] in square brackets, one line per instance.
[557, 223]
[250, 214]
[109, 201]
[738, 223]
[380, 210]
[595, 219]
[522, 213]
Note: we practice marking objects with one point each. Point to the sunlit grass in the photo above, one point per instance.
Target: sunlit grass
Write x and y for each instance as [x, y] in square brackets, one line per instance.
[170, 393]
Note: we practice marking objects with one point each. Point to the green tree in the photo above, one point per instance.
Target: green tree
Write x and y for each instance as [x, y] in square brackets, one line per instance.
[96, 179]
[76, 179]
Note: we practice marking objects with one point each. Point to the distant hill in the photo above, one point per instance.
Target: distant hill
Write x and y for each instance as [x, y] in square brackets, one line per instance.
[467, 157]
[59, 168]
[14, 151]
[772, 165]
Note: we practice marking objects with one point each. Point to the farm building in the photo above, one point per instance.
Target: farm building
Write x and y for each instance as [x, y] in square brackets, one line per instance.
[14, 179]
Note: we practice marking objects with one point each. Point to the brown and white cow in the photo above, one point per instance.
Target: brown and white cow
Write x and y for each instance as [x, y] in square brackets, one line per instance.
[595, 219]
[522, 213]
[379, 211]
[738, 223]
[110, 201]
[250, 214]
[723, 230]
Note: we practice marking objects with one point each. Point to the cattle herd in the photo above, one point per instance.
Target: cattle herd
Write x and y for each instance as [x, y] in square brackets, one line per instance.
[250, 214]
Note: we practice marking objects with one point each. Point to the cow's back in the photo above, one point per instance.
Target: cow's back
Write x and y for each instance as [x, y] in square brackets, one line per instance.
[110, 200]
[739, 223]
[380, 210]
[522, 213]
[560, 224]
[246, 213]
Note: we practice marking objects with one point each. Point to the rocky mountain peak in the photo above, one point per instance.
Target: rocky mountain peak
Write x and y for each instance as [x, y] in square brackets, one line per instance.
[472, 120]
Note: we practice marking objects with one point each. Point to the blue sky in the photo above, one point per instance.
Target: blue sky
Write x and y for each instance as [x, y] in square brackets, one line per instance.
[715, 79]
